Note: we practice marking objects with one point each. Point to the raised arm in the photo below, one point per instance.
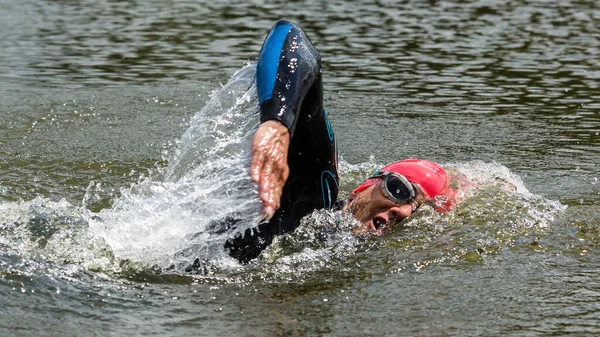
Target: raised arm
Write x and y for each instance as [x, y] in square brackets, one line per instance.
[294, 156]
[286, 70]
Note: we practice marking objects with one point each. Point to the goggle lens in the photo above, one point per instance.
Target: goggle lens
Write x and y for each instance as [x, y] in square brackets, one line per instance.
[398, 189]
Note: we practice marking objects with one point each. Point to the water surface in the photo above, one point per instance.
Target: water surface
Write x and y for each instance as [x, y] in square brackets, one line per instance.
[109, 176]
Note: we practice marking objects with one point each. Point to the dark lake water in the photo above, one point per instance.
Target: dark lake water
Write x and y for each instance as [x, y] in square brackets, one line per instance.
[120, 141]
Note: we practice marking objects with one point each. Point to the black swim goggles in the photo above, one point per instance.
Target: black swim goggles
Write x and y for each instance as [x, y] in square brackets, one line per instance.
[396, 187]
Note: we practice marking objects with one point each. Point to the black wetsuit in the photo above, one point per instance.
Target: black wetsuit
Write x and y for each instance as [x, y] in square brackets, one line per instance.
[290, 90]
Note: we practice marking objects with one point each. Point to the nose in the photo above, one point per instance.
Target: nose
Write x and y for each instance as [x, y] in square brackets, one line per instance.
[400, 212]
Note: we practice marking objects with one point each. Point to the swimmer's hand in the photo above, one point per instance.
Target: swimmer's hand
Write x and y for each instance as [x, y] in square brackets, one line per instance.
[269, 168]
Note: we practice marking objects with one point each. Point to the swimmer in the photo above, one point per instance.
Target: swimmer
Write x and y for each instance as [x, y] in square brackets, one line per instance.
[294, 154]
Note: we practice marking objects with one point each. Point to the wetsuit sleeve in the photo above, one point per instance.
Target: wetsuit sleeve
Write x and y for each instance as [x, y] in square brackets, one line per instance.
[288, 65]
[290, 89]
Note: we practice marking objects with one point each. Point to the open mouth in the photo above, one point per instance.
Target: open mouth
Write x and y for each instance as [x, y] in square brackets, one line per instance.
[378, 223]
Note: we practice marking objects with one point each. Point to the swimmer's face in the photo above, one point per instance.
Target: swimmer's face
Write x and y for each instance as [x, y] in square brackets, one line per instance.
[377, 213]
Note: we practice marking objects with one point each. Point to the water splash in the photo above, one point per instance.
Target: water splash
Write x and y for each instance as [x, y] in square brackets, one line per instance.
[165, 221]
[171, 220]
[41, 236]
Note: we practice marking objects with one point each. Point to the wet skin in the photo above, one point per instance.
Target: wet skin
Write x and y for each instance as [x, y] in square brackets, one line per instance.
[268, 167]
[377, 213]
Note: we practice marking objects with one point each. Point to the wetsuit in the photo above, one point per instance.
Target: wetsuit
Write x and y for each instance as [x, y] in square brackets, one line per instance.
[290, 90]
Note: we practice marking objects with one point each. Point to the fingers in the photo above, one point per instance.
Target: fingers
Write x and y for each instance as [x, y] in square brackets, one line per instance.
[266, 190]
[268, 166]
[273, 176]
[274, 201]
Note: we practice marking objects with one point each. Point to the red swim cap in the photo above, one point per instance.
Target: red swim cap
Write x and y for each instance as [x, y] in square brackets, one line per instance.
[431, 178]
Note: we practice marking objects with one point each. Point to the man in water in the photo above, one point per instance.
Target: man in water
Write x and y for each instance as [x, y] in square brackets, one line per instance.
[294, 155]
